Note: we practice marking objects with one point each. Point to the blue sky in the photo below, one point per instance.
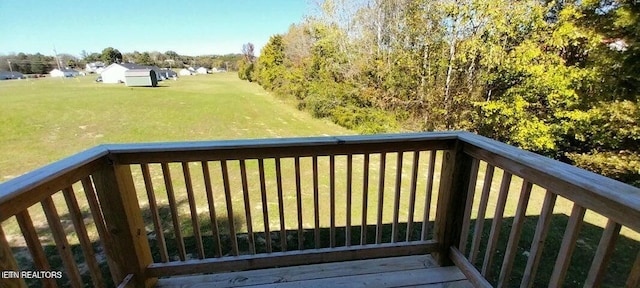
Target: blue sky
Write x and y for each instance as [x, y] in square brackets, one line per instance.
[194, 27]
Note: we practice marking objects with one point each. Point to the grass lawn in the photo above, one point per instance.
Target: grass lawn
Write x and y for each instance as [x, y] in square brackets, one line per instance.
[44, 120]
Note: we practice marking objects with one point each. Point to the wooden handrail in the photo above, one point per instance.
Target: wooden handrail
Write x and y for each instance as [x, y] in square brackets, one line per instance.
[22, 192]
[608, 197]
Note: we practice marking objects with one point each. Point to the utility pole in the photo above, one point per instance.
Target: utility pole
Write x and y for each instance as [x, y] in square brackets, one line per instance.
[10, 68]
[57, 58]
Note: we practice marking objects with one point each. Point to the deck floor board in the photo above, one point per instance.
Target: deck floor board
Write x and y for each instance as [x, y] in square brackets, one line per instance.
[407, 271]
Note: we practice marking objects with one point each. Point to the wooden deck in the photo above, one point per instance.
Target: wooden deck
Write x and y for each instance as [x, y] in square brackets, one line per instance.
[407, 271]
[315, 207]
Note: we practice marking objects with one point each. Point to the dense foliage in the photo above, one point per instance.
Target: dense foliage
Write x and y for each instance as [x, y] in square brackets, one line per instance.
[555, 77]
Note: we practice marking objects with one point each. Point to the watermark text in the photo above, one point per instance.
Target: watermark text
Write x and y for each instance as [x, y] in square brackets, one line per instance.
[30, 274]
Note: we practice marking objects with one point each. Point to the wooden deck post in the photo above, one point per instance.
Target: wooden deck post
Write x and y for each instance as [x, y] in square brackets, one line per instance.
[454, 182]
[129, 247]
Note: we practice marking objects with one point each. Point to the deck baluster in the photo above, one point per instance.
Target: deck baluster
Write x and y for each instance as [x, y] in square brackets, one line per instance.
[428, 195]
[265, 205]
[412, 193]
[365, 199]
[213, 217]
[396, 198]
[379, 227]
[247, 207]
[155, 216]
[195, 222]
[173, 206]
[299, 204]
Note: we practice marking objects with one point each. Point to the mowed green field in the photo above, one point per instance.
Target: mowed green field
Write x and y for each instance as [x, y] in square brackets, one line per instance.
[43, 120]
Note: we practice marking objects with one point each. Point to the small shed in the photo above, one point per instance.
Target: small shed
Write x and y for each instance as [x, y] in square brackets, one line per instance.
[140, 78]
[202, 70]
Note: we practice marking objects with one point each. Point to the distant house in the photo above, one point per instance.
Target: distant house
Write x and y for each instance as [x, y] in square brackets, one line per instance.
[94, 67]
[8, 75]
[202, 70]
[168, 73]
[114, 73]
[185, 72]
[64, 73]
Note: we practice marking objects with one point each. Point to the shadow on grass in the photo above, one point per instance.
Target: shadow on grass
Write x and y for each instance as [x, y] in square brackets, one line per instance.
[620, 265]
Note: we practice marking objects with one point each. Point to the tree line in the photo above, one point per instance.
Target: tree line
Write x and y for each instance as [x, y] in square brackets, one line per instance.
[43, 64]
[558, 78]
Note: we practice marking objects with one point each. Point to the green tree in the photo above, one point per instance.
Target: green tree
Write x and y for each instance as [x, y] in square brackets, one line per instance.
[111, 55]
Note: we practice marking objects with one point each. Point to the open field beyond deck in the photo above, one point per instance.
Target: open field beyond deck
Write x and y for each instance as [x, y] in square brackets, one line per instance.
[44, 120]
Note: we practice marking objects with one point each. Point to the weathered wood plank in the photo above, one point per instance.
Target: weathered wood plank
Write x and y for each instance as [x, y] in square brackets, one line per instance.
[610, 198]
[365, 199]
[299, 203]
[396, 198]
[229, 202]
[454, 183]
[247, 207]
[428, 196]
[466, 223]
[468, 269]
[213, 217]
[81, 231]
[539, 239]
[155, 215]
[303, 272]
[567, 246]
[482, 211]
[437, 275]
[514, 235]
[291, 258]
[603, 255]
[129, 244]
[412, 193]
[383, 160]
[265, 205]
[34, 245]
[8, 263]
[283, 227]
[62, 244]
[24, 191]
[496, 224]
[195, 221]
[173, 207]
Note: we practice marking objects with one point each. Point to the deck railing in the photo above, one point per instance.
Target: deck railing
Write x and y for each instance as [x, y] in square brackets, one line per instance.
[133, 213]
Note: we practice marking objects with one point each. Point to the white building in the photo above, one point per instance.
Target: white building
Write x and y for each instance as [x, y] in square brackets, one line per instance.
[64, 73]
[94, 67]
[185, 72]
[202, 70]
[114, 73]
